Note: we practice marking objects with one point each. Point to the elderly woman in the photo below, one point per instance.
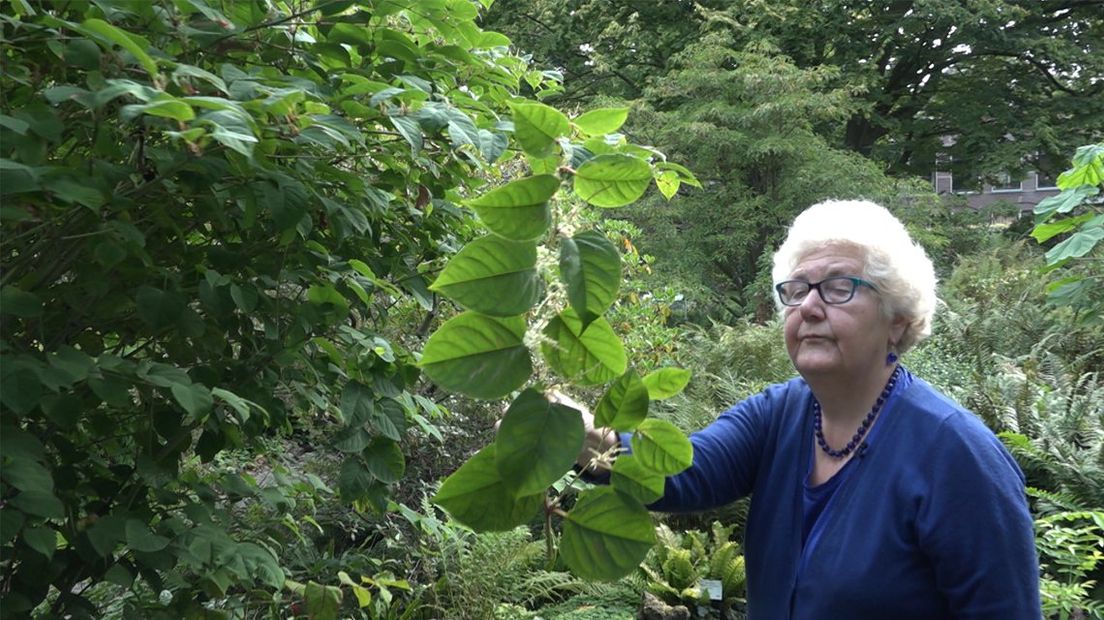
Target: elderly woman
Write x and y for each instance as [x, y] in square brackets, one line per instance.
[872, 494]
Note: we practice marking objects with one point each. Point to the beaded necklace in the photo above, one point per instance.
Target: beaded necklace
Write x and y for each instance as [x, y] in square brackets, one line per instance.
[863, 428]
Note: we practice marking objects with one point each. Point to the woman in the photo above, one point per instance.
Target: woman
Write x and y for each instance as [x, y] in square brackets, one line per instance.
[872, 495]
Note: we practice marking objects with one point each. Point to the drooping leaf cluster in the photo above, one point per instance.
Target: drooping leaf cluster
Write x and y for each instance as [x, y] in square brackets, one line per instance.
[487, 351]
[1076, 210]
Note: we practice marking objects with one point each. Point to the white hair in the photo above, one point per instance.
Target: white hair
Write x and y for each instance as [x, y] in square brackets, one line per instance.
[898, 266]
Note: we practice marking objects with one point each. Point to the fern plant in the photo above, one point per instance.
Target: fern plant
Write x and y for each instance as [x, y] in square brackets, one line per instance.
[675, 568]
[1071, 547]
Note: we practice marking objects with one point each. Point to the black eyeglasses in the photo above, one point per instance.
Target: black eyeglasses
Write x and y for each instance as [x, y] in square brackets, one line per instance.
[834, 290]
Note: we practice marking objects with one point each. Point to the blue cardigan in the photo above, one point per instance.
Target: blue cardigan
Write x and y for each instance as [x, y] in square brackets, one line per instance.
[931, 523]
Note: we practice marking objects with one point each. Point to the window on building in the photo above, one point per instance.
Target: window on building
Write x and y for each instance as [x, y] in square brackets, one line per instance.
[1004, 183]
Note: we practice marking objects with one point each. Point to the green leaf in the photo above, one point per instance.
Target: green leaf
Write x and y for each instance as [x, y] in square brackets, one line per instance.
[606, 535]
[537, 443]
[119, 575]
[543, 165]
[602, 121]
[358, 403]
[385, 460]
[323, 602]
[132, 43]
[625, 404]
[518, 210]
[10, 522]
[26, 474]
[684, 174]
[661, 446]
[239, 404]
[140, 538]
[476, 496]
[1064, 202]
[1079, 244]
[666, 382]
[628, 476]
[107, 532]
[195, 398]
[492, 275]
[389, 419]
[589, 357]
[1043, 232]
[42, 539]
[352, 439]
[481, 356]
[1088, 173]
[167, 108]
[492, 145]
[354, 480]
[536, 127]
[612, 180]
[410, 130]
[328, 297]
[668, 183]
[18, 302]
[590, 266]
[158, 308]
[39, 502]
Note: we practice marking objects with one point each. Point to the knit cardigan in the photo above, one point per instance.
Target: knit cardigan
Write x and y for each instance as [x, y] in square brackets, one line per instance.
[931, 523]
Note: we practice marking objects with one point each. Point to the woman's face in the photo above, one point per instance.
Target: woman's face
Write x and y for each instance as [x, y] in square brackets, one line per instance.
[846, 340]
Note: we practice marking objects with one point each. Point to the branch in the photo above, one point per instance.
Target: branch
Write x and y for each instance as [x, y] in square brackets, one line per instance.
[1042, 69]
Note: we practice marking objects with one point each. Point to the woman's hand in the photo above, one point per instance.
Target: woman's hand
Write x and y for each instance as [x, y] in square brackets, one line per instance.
[599, 443]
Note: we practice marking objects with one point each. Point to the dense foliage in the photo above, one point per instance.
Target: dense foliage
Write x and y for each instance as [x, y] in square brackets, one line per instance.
[212, 215]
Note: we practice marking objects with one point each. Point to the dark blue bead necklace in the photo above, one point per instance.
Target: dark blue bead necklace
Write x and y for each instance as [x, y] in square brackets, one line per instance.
[860, 433]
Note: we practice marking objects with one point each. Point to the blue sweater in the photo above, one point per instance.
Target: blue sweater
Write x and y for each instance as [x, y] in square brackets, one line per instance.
[932, 521]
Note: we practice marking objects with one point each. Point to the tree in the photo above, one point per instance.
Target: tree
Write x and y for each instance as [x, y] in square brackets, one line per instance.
[1014, 82]
[603, 47]
[747, 119]
[211, 211]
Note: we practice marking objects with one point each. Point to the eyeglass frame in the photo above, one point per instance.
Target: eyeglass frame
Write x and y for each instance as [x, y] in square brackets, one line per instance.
[855, 283]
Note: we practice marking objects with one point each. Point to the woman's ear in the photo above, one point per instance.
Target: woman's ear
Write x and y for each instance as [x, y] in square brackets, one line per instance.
[897, 330]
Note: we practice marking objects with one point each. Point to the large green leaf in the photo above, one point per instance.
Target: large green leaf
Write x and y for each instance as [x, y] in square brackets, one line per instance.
[589, 357]
[1064, 202]
[1079, 244]
[195, 398]
[612, 180]
[661, 446]
[385, 460]
[140, 538]
[492, 275]
[536, 127]
[638, 482]
[26, 474]
[42, 539]
[666, 382]
[625, 404]
[18, 302]
[537, 443]
[519, 209]
[1043, 232]
[39, 502]
[134, 44]
[477, 355]
[606, 535]
[590, 266]
[602, 121]
[476, 496]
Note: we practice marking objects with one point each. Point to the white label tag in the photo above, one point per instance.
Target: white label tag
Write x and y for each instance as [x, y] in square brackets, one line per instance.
[713, 587]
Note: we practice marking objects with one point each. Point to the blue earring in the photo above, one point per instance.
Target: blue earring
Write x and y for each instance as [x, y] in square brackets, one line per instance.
[891, 358]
